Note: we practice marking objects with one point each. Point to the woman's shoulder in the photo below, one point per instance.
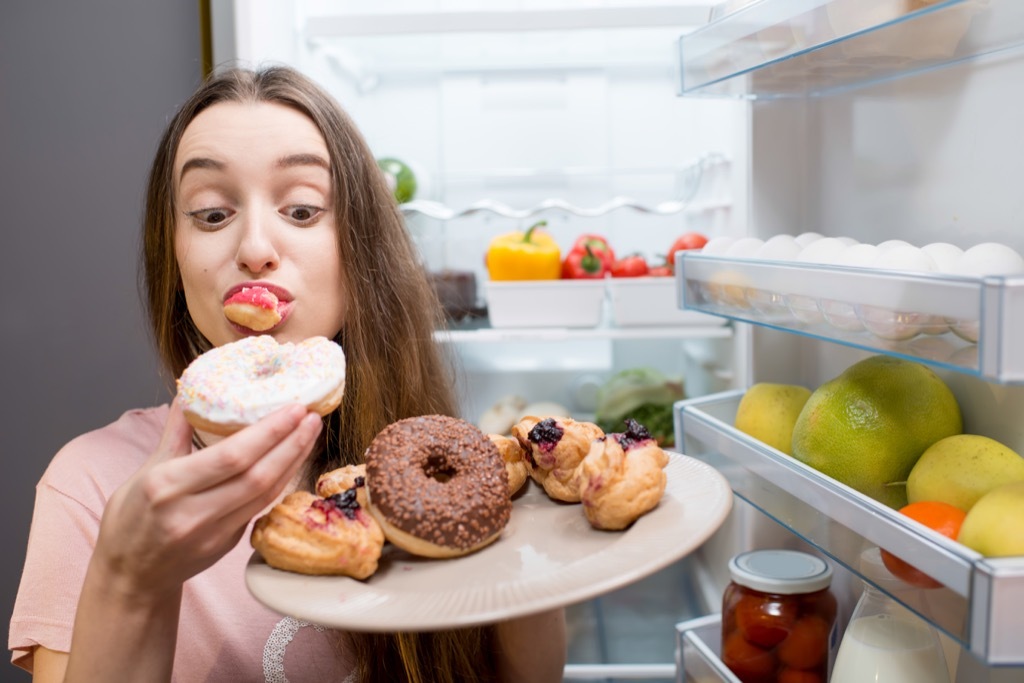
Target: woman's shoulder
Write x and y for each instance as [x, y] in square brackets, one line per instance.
[108, 455]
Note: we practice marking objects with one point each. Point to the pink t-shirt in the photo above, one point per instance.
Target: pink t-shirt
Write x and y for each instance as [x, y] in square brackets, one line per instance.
[223, 633]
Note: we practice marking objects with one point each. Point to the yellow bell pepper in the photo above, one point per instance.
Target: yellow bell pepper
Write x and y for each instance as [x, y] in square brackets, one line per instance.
[530, 255]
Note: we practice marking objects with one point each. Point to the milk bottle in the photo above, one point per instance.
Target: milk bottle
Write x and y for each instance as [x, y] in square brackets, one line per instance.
[887, 643]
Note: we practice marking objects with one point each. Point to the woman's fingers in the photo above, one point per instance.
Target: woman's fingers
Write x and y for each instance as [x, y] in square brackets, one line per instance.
[231, 456]
[259, 496]
[227, 508]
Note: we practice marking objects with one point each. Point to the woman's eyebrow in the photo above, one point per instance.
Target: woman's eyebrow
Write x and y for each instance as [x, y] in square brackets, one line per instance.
[199, 162]
[303, 160]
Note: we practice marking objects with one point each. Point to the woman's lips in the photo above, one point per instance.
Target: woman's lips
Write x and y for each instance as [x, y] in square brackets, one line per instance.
[280, 292]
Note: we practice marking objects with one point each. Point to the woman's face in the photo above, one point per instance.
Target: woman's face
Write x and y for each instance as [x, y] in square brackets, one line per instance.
[253, 203]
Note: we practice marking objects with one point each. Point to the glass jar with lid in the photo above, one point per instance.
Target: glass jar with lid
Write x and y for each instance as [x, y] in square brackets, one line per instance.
[778, 617]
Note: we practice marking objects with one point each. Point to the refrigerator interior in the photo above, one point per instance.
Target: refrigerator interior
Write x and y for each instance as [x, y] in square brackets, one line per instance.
[566, 112]
[831, 116]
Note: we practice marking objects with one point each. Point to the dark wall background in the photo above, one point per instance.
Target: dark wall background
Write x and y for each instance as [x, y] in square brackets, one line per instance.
[85, 89]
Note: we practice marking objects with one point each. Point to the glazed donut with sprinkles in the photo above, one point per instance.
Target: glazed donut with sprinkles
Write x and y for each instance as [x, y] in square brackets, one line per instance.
[237, 384]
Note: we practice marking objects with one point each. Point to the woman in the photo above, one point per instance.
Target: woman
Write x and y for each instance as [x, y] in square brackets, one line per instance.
[140, 534]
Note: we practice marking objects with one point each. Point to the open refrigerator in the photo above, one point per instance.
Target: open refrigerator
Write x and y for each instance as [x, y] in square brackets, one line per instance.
[867, 119]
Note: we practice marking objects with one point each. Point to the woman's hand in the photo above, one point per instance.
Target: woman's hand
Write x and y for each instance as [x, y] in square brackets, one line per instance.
[183, 511]
[176, 516]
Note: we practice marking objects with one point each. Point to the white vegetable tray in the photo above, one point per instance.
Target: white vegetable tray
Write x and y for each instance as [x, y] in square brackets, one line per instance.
[982, 601]
[632, 302]
[967, 324]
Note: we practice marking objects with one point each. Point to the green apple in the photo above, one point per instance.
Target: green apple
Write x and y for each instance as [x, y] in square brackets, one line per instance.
[400, 178]
[995, 525]
[768, 412]
[961, 469]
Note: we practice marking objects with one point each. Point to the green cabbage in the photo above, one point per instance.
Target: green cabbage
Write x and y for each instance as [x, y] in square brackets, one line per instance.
[644, 394]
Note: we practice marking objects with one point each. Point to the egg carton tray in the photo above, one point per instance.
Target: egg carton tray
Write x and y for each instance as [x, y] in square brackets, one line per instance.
[981, 602]
[962, 323]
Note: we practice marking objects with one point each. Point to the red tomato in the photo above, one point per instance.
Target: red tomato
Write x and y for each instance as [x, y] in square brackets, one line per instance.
[630, 266]
[763, 621]
[689, 240]
[750, 663]
[598, 244]
[662, 271]
[806, 646]
[799, 676]
[583, 265]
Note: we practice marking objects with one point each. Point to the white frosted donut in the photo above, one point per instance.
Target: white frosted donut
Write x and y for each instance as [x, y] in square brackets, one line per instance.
[237, 384]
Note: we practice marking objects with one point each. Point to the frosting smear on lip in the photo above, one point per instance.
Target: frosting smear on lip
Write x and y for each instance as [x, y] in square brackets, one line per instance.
[254, 308]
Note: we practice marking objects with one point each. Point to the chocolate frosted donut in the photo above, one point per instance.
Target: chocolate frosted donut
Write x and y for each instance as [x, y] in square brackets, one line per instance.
[437, 486]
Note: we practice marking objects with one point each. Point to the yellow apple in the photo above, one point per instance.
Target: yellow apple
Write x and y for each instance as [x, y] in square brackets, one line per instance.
[961, 469]
[768, 412]
[995, 525]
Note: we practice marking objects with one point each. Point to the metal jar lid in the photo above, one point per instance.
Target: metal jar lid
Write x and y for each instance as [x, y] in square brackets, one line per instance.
[780, 571]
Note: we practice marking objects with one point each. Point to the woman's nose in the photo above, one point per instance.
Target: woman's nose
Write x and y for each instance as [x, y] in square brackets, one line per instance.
[256, 250]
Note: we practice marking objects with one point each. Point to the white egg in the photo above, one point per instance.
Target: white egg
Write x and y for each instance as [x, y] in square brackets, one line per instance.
[944, 254]
[825, 250]
[904, 257]
[771, 303]
[841, 314]
[892, 244]
[848, 241]
[859, 256]
[717, 246]
[989, 258]
[779, 248]
[806, 238]
[744, 247]
[896, 325]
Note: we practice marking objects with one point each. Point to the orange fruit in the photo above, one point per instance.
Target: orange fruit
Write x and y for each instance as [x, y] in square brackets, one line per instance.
[938, 516]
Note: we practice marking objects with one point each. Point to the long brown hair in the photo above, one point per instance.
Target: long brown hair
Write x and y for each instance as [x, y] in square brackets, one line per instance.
[395, 368]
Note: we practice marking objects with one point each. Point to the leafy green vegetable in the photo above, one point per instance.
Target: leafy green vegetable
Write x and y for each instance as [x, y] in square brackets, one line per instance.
[643, 394]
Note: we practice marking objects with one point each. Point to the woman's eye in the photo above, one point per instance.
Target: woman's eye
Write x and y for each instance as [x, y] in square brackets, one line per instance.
[302, 214]
[209, 218]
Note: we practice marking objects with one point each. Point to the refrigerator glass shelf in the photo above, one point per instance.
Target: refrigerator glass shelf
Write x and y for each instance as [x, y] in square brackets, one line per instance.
[691, 180]
[493, 335]
[375, 48]
[799, 48]
[981, 602]
[965, 324]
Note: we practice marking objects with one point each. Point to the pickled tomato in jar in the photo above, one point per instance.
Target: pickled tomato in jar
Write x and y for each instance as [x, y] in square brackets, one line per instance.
[778, 617]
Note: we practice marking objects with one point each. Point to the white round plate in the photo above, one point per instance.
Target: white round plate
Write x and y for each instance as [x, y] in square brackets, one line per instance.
[548, 556]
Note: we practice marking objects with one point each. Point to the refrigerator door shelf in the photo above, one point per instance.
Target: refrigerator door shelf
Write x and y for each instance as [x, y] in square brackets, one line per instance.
[699, 651]
[981, 602]
[966, 324]
[798, 48]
